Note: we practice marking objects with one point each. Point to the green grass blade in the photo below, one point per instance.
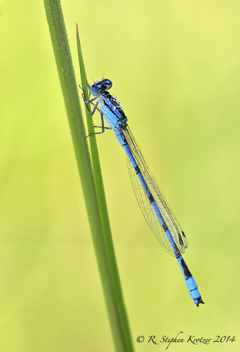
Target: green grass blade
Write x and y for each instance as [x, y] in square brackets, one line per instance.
[70, 93]
[103, 210]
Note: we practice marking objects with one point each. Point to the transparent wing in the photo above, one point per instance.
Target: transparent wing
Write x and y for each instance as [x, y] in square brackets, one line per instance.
[143, 201]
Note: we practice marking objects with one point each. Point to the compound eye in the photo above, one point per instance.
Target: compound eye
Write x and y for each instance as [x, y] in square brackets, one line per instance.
[107, 83]
[95, 88]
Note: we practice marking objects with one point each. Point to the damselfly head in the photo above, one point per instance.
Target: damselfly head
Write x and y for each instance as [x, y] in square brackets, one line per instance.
[100, 86]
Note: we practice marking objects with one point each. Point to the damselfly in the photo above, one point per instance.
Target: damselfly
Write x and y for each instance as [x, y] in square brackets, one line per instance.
[155, 209]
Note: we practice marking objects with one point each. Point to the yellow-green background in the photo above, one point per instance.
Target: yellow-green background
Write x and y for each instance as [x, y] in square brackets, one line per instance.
[175, 66]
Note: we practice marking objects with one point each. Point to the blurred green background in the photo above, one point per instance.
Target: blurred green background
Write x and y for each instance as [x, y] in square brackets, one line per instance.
[175, 67]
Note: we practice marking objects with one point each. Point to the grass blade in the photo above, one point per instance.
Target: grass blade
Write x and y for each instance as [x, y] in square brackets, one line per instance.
[123, 321]
[71, 99]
